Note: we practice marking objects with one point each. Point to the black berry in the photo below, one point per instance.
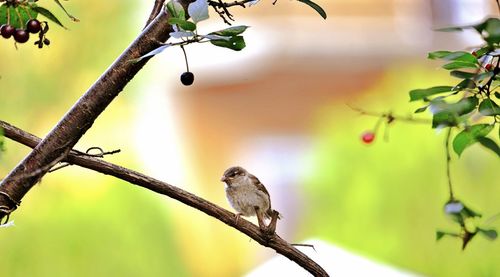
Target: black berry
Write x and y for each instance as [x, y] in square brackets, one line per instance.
[46, 41]
[187, 78]
[21, 36]
[7, 30]
[33, 26]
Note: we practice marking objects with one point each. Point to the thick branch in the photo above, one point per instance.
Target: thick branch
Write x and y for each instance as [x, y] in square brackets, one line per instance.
[81, 116]
[274, 241]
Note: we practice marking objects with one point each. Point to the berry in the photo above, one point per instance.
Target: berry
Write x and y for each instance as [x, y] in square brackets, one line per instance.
[21, 36]
[368, 137]
[474, 53]
[7, 30]
[187, 78]
[46, 41]
[488, 66]
[33, 26]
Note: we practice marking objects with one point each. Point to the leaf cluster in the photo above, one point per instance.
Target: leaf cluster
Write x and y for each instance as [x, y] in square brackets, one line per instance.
[466, 218]
[472, 104]
[471, 107]
[19, 12]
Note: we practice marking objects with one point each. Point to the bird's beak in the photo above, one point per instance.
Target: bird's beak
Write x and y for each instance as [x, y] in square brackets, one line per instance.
[223, 179]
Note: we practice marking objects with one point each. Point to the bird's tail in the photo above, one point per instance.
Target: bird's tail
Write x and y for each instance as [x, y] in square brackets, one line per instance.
[270, 213]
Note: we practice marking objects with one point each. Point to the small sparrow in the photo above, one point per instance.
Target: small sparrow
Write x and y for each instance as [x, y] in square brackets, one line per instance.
[248, 196]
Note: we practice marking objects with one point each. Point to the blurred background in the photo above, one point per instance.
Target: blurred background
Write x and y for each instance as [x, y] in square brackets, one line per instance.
[279, 108]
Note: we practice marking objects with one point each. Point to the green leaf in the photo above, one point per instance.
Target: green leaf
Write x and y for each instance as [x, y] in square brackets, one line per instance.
[481, 51]
[421, 109]
[438, 54]
[490, 144]
[468, 212]
[462, 74]
[469, 136]
[464, 106]
[235, 43]
[444, 118]
[441, 234]
[459, 64]
[479, 27]
[176, 10]
[459, 56]
[315, 6]
[489, 234]
[183, 24]
[450, 29]
[48, 15]
[465, 84]
[491, 30]
[448, 114]
[484, 75]
[231, 31]
[18, 16]
[66, 12]
[489, 108]
[418, 94]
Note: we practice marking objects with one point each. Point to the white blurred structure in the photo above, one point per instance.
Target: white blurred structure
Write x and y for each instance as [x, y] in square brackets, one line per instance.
[335, 260]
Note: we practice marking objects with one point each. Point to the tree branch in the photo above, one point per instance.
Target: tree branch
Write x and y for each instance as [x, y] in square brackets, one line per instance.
[272, 241]
[82, 115]
[220, 4]
[157, 7]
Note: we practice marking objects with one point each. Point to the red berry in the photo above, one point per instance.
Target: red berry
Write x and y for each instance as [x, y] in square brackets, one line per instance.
[488, 66]
[33, 26]
[7, 30]
[368, 137]
[474, 53]
[21, 36]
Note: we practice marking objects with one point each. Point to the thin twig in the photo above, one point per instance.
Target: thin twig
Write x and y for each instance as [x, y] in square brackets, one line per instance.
[228, 5]
[448, 162]
[269, 240]
[390, 117]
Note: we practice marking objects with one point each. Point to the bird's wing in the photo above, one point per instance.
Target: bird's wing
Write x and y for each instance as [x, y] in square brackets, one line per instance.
[260, 186]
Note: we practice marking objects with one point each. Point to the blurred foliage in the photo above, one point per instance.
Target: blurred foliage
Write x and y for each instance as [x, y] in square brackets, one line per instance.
[81, 230]
[79, 223]
[385, 199]
[382, 200]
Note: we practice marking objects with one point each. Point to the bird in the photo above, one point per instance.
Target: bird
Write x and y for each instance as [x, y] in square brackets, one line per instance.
[248, 196]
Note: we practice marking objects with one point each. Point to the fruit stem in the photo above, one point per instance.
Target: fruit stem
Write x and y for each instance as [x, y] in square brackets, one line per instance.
[27, 11]
[8, 15]
[19, 18]
[185, 58]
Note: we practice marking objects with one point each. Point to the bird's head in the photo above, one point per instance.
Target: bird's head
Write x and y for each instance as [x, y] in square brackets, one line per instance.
[233, 174]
